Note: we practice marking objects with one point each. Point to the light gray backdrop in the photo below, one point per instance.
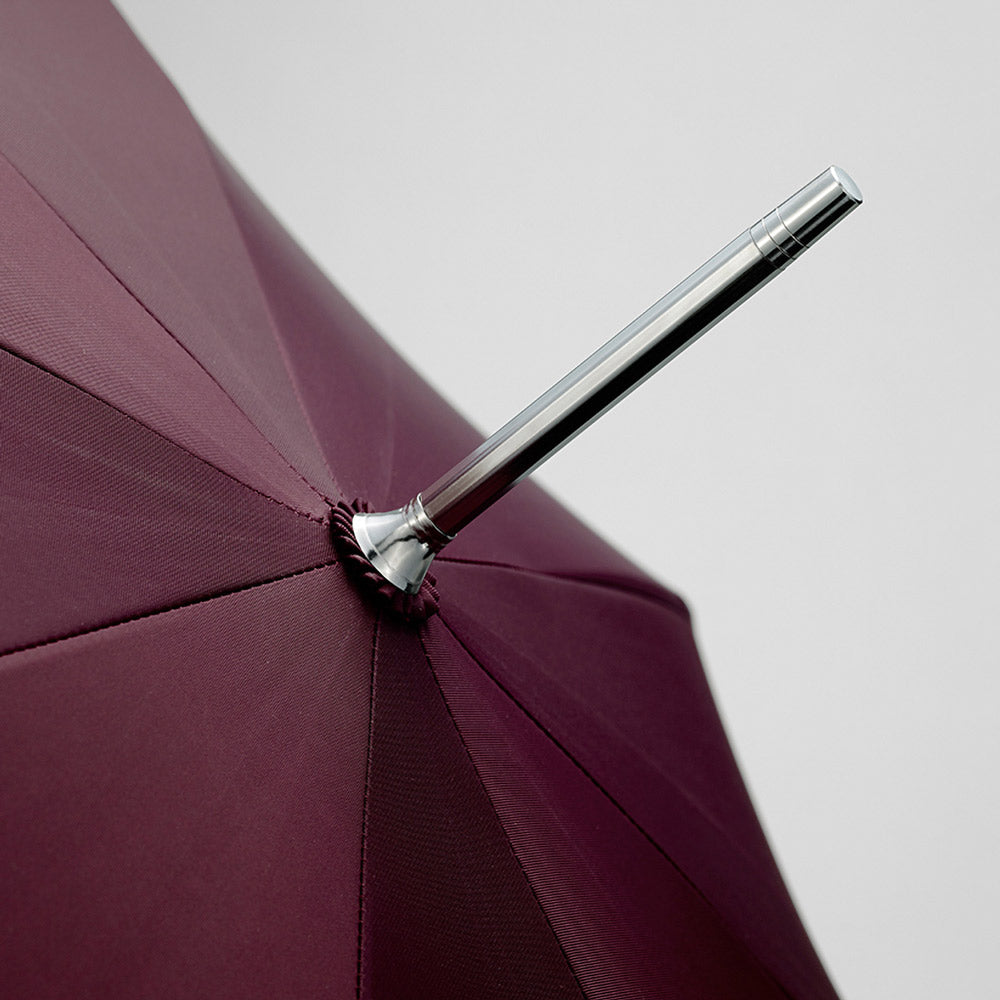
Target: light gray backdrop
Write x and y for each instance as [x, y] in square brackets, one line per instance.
[501, 187]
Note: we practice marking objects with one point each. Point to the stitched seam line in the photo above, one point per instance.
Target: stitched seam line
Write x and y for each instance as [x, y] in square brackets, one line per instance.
[142, 305]
[163, 437]
[710, 820]
[272, 322]
[590, 777]
[493, 807]
[364, 804]
[666, 599]
[180, 606]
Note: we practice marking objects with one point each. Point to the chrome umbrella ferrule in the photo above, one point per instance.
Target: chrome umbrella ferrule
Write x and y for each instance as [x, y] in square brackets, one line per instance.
[401, 544]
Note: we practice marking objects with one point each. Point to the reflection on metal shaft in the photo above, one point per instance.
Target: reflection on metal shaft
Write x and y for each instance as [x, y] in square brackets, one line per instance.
[402, 543]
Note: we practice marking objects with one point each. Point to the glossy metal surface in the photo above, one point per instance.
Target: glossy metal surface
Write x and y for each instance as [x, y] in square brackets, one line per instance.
[400, 544]
[608, 375]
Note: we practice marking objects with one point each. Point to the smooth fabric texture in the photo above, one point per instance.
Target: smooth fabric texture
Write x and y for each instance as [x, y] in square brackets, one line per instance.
[104, 520]
[225, 769]
[182, 800]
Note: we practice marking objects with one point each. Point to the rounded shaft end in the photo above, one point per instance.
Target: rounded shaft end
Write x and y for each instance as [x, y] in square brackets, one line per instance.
[820, 205]
[796, 224]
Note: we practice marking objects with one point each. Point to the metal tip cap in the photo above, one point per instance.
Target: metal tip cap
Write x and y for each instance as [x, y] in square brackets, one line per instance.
[821, 204]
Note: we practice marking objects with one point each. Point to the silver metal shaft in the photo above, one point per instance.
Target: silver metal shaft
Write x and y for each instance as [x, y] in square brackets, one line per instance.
[402, 543]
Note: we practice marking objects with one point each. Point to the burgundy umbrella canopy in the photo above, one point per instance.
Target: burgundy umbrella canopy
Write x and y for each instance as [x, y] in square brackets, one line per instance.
[232, 764]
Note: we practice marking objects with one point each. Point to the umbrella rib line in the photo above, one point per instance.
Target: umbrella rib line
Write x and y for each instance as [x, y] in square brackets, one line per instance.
[272, 323]
[152, 430]
[180, 606]
[618, 806]
[142, 305]
[578, 764]
[565, 751]
[364, 803]
[665, 600]
[496, 813]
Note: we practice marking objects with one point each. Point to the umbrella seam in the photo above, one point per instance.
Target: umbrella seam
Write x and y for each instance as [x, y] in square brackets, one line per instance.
[142, 305]
[617, 805]
[180, 606]
[364, 803]
[496, 814]
[213, 155]
[693, 804]
[666, 600]
[162, 436]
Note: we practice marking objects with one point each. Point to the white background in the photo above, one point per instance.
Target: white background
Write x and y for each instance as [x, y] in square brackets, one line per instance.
[501, 187]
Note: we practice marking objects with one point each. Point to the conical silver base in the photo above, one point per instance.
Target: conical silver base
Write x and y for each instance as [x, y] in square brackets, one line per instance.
[400, 544]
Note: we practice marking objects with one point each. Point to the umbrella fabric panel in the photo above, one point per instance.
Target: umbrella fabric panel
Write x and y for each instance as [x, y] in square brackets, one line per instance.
[347, 377]
[93, 125]
[182, 800]
[62, 309]
[617, 672]
[632, 924]
[615, 680]
[103, 520]
[446, 909]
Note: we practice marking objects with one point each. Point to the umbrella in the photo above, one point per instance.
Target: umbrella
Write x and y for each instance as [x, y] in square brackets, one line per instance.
[234, 761]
